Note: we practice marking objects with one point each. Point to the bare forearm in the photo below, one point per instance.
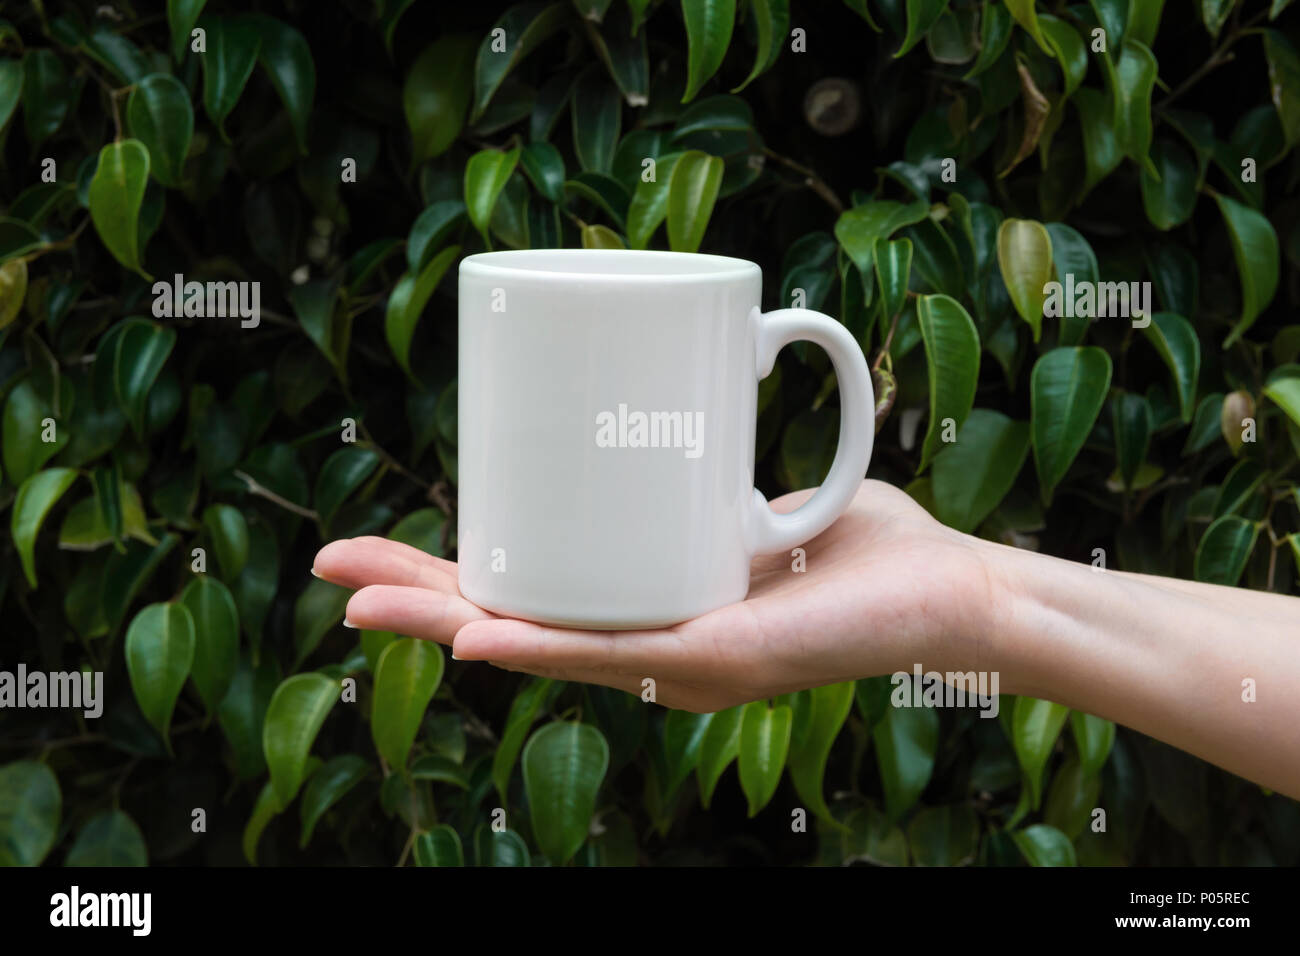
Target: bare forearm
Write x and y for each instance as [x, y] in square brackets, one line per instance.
[1168, 658]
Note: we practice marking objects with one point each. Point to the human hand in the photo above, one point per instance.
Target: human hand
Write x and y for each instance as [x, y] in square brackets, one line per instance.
[886, 586]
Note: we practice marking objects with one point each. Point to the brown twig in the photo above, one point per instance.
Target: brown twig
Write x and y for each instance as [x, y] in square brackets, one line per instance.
[811, 179]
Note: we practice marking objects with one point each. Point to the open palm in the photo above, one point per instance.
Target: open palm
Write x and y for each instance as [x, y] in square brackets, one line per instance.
[885, 586]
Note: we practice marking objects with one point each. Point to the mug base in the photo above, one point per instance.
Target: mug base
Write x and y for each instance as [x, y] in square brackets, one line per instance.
[592, 620]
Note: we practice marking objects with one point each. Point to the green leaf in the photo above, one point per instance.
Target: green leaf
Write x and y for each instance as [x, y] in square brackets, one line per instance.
[159, 655]
[858, 229]
[952, 358]
[328, 786]
[995, 33]
[544, 165]
[36, 496]
[1284, 391]
[406, 677]
[30, 807]
[485, 176]
[159, 115]
[439, 847]
[624, 55]
[649, 203]
[524, 711]
[1071, 799]
[1238, 487]
[293, 718]
[692, 191]
[228, 529]
[921, 15]
[893, 262]
[819, 714]
[708, 34]
[1133, 80]
[116, 193]
[286, 57]
[523, 28]
[232, 44]
[11, 88]
[436, 95]
[1170, 199]
[1180, 348]
[1035, 725]
[1132, 424]
[720, 746]
[216, 630]
[1101, 150]
[1067, 389]
[1025, 258]
[1027, 17]
[1224, 550]
[772, 26]
[564, 764]
[406, 305]
[1043, 845]
[943, 836]
[600, 237]
[1284, 83]
[1069, 49]
[140, 351]
[764, 744]
[499, 848]
[1255, 248]
[319, 607]
[906, 739]
[1093, 737]
[46, 92]
[684, 734]
[182, 15]
[597, 112]
[1072, 255]
[341, 475]
[264, 810]
[974, 474]
[109, 838]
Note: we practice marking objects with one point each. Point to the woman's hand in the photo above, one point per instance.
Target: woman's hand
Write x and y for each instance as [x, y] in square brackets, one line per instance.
[886, 586]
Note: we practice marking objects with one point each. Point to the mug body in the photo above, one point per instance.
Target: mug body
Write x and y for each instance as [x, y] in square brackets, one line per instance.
[606, 413]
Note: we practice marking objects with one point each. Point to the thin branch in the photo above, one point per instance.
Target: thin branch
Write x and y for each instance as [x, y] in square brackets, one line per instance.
[254, 487]
[811, 179]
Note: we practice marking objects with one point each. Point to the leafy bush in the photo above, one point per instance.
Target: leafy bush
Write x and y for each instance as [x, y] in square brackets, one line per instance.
[920, 169]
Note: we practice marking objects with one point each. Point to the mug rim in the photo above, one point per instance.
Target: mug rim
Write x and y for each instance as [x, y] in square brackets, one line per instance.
[666, 266]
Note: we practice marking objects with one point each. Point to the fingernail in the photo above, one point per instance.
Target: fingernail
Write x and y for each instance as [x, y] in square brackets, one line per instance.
[454, 657]
[347, 623]
[315, 572]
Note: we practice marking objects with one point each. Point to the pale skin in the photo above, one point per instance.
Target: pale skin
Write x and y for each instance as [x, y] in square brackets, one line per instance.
[887, 587]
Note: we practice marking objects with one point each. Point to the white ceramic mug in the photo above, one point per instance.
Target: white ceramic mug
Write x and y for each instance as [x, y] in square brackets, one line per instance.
[607, 404]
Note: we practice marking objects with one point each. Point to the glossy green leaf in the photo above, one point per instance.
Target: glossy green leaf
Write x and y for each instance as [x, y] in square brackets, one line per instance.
[182, 15]
[943, 836]
[1283, 389]
[1133, 81]
[1180, 349]
[772, 26]
[437, 94]
[36, 496]
[1131, 421]
[995, 33]
[649, 205]
[597, 112]
[1071, 798]
[439, 847]
[30, 808]
[294, 717]
[159, 654]
[952, 356]
[1025, 259]
[708, 34]
[232, 45]
[764, 745]
[544, 165]
[859, 228]
[921, 16]
[499, 848]
[341, 475]
[1255, 249]
[406, 677]
[905, 740]
[893, 261]
[1069, 48]
[159, 115]
[564, 764]
[720, 747]
[216, 632]
[1067, 389]
[684, 734]
[109, 838]
[116, 193]
[287, 60]
[524, 711]
[818, 715]
[11, 88]
[46, 93]
[1043, 845]
[1224, 550]
[1035, 725]
[328, 786]
[519, 31]
[228, 530]
[1101, 149]
[264, 810]
[692, 192]
[1284, 82]
[1093, 738]
[319, 607]
[485, 176]
[1170, 199]
[600, 237]
[974, 474]
[407, 301]
[1027, 17]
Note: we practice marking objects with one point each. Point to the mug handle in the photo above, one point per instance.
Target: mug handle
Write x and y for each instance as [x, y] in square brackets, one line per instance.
[770, 532]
